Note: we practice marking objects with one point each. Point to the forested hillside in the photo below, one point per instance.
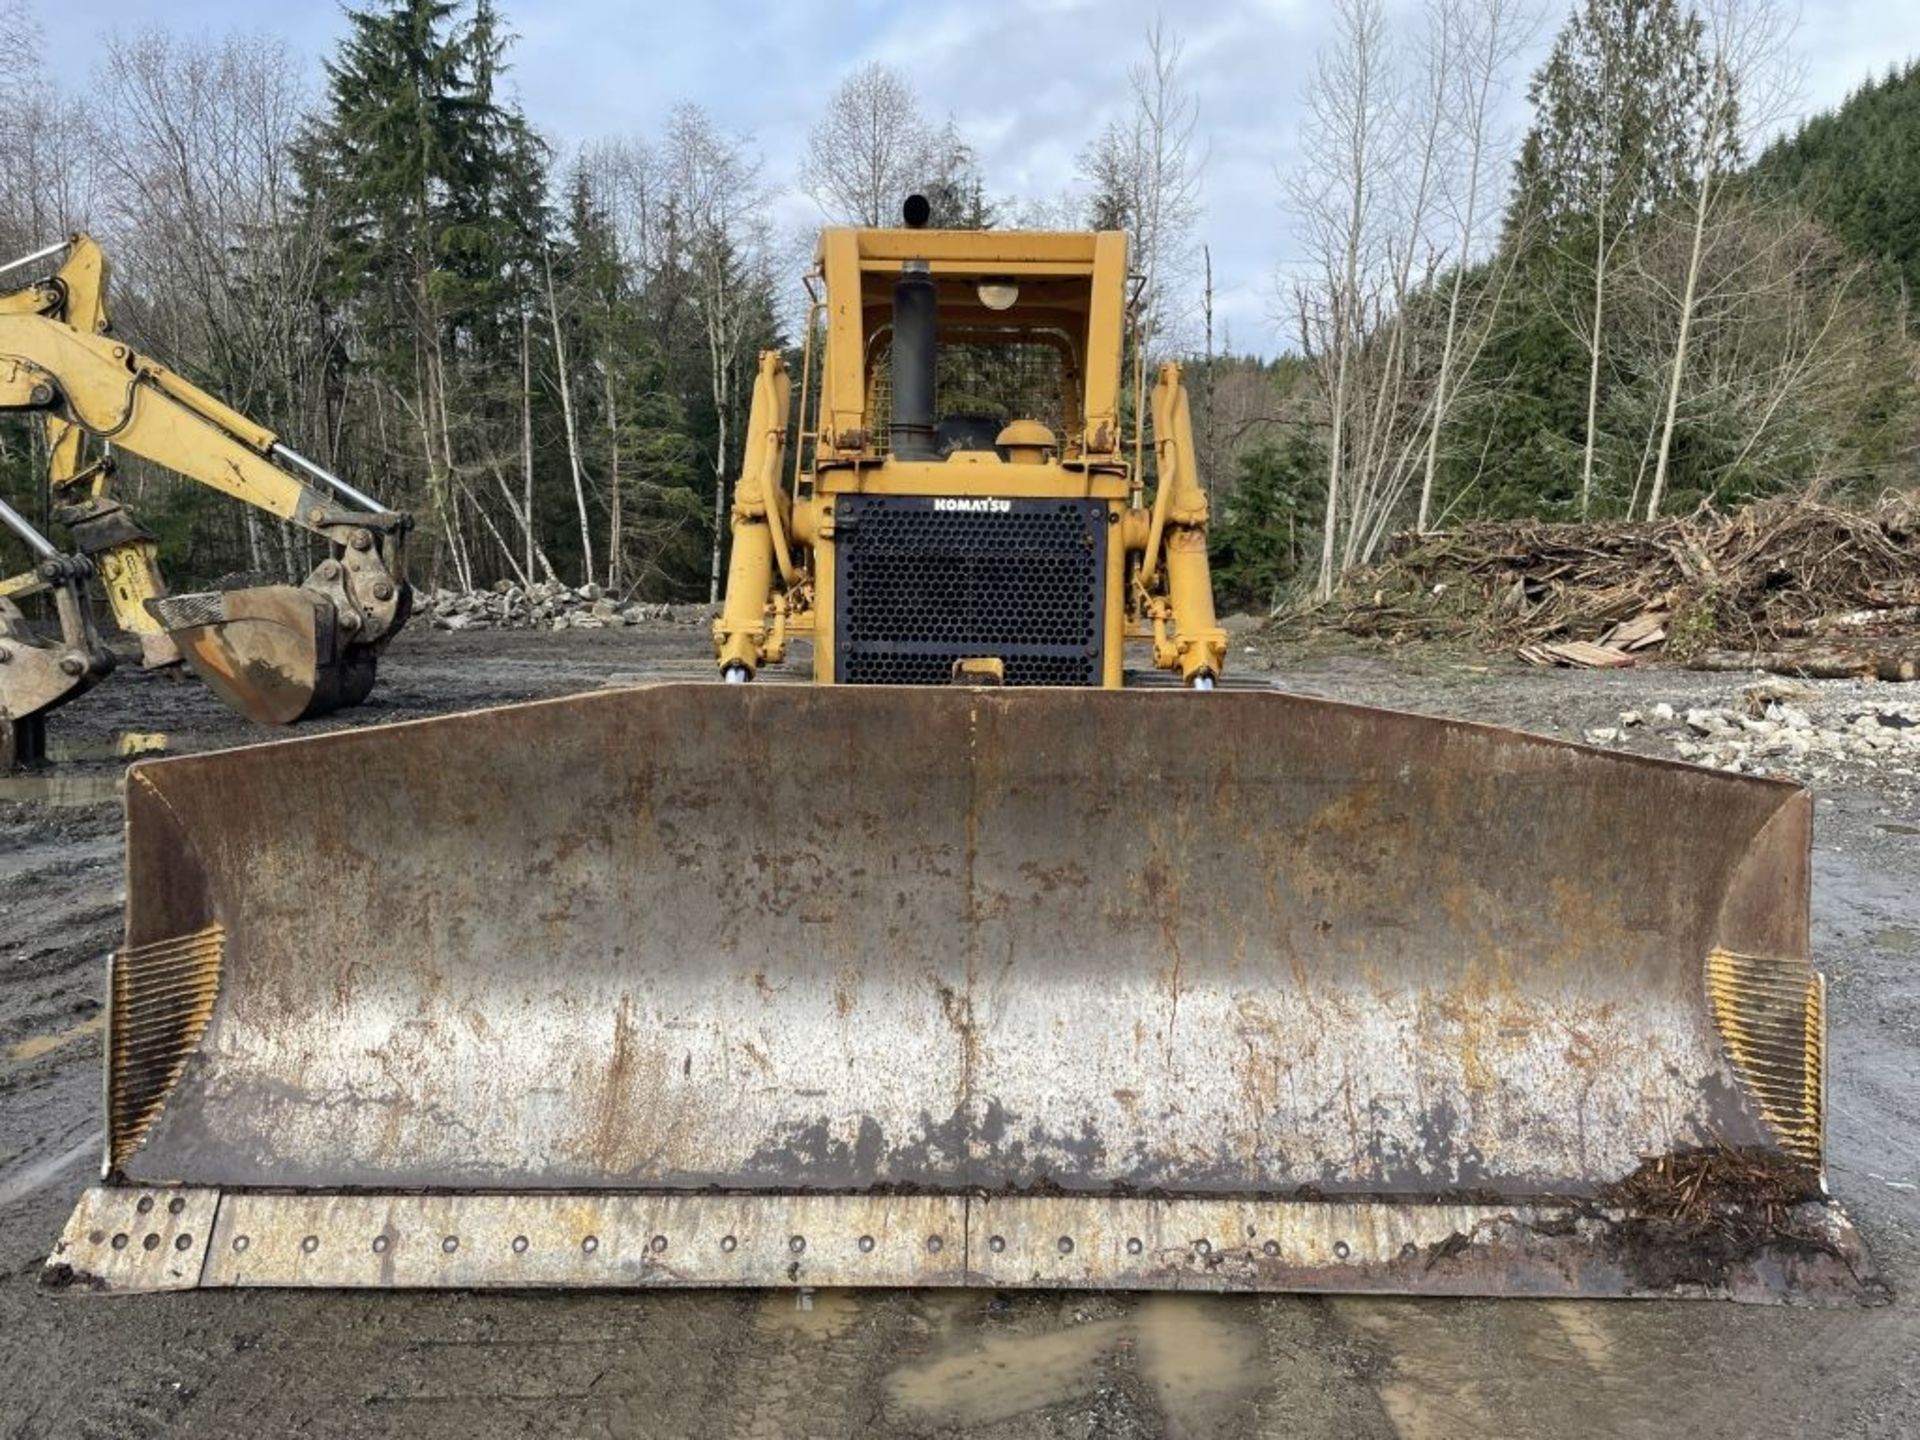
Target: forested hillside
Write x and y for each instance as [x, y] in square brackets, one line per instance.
[1857, 169]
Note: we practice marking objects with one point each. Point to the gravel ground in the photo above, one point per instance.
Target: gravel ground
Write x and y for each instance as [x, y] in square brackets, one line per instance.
[929, 1363]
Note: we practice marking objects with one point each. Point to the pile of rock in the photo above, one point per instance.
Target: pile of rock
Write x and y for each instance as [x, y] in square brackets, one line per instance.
[1800, 730]
[546, 606]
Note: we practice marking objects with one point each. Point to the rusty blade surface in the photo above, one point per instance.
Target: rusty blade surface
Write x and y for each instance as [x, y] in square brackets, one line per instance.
[784, 940]
[273, 653]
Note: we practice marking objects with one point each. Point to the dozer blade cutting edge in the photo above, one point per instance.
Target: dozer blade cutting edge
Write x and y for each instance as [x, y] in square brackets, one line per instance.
[274, 652]
[726, 985]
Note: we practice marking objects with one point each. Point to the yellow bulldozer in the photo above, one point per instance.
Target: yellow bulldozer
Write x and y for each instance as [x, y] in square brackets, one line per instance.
[970, 964]
[275, 653]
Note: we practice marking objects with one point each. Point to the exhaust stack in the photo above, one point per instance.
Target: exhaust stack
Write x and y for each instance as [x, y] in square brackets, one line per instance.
[915, 345]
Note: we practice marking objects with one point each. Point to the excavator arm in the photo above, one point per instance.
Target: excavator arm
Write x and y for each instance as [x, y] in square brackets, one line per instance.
[275, 653]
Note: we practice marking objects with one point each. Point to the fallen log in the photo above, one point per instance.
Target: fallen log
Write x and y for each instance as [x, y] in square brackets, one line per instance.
[1825, 663]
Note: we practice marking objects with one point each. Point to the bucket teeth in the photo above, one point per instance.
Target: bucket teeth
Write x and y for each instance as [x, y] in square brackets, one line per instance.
[1770, 1014]
[163, 996]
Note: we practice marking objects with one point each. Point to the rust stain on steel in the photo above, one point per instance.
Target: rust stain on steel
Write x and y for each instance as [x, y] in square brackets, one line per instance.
[782, 940]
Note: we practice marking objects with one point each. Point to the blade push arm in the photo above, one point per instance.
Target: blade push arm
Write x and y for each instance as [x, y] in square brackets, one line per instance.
[761, 520]
[1175, 585]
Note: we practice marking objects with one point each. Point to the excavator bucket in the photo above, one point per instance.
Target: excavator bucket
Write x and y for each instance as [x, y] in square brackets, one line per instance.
[274, 653]
[761, 985]
[37, 677]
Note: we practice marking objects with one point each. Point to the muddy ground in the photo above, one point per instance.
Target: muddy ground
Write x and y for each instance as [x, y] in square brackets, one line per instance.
[927, 1363]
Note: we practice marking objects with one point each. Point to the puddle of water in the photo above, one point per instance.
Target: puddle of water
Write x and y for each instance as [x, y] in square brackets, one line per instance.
[1194, 1351]
[1006, 1376]
[1898, 939]
[56, 784]
[1198, 1360]
[832, 1312]
[62, 788]
[34, 1046]
[1438, 1383]
[1579, 1322]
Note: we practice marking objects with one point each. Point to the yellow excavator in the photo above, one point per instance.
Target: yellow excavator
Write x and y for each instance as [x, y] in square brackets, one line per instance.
[980, 961]
[275, 653]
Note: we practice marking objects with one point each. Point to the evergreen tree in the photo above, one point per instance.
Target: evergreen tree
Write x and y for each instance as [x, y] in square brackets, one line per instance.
[1267, 535]
[1858, 169]
[433, 193]
[953, 184]
[1617, 107]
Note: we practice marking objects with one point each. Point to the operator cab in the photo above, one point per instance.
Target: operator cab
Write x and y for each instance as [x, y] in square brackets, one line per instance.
[972, 354]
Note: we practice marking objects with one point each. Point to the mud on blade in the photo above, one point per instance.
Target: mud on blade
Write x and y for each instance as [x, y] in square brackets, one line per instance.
[768, 985]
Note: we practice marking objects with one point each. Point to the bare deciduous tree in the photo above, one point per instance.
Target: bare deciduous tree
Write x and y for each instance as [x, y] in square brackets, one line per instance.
[1387, 201]
[1336, 195]
[1145, 177]
[1491, 36]
[867, 152]
[1750, 92]
[714, 183]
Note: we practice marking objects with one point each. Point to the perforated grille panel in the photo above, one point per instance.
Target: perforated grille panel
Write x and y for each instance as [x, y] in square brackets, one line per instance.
[919, 586]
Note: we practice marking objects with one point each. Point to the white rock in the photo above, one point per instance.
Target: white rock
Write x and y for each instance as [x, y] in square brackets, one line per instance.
[1708, 722]
[1605, 735]
[1630, 718]
[1663, 711]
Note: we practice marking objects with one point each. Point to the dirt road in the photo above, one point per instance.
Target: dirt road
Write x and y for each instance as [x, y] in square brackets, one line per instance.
[925, 1363]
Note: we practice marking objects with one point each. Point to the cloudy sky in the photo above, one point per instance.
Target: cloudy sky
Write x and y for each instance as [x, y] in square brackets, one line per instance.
[1027, 81]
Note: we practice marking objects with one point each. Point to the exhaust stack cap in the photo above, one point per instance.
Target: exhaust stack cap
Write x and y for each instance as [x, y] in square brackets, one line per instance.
[916, 212]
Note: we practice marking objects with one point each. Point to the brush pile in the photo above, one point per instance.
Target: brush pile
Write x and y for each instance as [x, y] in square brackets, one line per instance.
[1788, 584]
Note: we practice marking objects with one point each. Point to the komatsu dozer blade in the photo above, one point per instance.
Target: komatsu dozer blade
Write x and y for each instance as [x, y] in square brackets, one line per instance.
[274, 652]
[709, 985]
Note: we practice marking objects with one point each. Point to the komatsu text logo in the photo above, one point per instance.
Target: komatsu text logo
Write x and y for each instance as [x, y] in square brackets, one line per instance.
[974, 507]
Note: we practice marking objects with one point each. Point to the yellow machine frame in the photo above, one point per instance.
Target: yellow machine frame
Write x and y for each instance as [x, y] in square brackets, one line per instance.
[780, 582]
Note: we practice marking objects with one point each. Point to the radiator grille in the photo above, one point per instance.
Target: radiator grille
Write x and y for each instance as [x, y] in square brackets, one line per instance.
[919, 587]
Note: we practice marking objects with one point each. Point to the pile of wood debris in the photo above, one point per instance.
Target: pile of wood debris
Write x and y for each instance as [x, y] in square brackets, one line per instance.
[1788, 584]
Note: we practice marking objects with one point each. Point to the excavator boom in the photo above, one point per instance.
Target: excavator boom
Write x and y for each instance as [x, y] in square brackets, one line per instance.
[275, 653]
